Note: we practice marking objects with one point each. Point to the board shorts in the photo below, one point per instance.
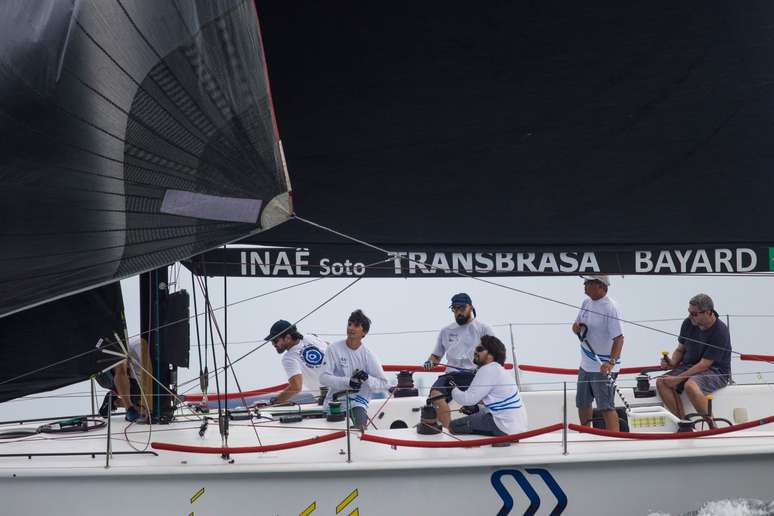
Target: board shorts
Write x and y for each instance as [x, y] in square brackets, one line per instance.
[709, 380]
[594, 387]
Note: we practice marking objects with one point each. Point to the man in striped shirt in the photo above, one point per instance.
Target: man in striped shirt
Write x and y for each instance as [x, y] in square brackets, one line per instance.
[494, 392]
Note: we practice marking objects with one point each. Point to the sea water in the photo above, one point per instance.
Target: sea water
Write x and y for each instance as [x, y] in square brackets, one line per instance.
[738, 507]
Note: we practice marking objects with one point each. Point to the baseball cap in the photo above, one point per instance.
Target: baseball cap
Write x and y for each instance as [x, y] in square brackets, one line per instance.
[461, 299]
[602, 278]
[277, 329]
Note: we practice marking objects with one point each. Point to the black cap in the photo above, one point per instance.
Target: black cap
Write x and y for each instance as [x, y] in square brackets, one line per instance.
[278, 328]
[461, 299]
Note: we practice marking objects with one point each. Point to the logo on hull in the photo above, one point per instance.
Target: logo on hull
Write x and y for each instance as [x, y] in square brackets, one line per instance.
[534, 498]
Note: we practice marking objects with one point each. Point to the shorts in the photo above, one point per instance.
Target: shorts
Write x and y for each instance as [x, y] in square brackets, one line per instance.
[709, 380]
[462, 379]
[594, 387]
[479, 423]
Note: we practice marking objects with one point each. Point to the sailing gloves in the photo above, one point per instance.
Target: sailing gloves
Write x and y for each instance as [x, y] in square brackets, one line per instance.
[357, 379]
[428, 365]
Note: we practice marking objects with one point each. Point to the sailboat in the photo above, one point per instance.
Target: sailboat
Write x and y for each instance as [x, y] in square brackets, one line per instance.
[423, 140]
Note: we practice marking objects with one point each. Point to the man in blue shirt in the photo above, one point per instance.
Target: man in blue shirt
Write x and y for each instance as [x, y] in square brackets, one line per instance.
[701, 364]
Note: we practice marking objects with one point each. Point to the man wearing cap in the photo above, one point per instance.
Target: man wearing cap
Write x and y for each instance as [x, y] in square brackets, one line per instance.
[302, 360]
[494, 389]
[458, 342]
[351, 367]
[600, 314]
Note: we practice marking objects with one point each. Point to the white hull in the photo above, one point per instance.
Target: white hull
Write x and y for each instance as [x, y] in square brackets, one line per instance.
[596, 476]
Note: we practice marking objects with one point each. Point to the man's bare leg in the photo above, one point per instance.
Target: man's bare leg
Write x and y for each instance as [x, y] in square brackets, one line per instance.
[121, 382]
[585, 414]
[670, 398]
[698, 400]
[611, 420]
[442, 408]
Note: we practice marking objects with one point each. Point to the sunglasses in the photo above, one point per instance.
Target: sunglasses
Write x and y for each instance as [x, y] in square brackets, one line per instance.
[479, 349]
[695, 314]
[456, 308]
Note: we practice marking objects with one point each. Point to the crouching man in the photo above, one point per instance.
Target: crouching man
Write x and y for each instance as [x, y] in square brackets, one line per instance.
[494, 391]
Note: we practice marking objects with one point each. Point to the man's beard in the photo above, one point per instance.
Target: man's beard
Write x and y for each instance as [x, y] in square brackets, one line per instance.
[462, 319]
[476, 361]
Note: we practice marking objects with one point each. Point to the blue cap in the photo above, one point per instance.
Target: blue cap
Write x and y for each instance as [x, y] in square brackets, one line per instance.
[461, 299]
[278, 328]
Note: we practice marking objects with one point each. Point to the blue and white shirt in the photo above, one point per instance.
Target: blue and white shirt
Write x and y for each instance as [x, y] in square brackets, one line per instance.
[306, 358]
[497, 388]
[339, 364]
[603, 320]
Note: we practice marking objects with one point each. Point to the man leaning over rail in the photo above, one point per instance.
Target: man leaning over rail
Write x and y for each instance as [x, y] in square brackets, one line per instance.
[302, 361]
[601, 316]
[701, 364]
[350, 366]
[457, 341]
[495, 389]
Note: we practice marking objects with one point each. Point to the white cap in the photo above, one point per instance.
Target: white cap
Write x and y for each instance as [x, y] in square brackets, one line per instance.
[603, 278]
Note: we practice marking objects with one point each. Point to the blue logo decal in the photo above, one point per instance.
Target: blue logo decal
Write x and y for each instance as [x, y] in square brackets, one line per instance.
[534, 498]
[312, 356]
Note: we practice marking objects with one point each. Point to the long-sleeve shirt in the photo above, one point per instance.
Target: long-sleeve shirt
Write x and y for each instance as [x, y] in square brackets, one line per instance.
[497, 389]
[338, 365]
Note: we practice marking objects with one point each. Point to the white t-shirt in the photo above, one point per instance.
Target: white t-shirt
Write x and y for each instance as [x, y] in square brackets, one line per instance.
[603, 320]
[497, 389]
[458, 342]
[306, 358]
[338, 365]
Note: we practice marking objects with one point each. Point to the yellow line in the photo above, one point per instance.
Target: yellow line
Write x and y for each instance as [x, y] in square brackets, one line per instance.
[346, 501]
[308, 510]
[356, 512]
[197, 495]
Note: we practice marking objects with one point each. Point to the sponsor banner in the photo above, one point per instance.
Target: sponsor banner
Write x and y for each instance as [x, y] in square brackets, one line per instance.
[353, 261]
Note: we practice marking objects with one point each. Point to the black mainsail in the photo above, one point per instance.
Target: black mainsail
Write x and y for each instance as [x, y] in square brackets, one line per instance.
[595, 125]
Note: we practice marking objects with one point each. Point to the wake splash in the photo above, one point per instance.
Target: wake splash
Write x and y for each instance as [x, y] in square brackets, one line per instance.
[738, 507]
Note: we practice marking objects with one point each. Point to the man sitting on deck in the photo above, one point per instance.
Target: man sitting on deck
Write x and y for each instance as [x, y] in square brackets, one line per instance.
[701, 364]
[495, 389]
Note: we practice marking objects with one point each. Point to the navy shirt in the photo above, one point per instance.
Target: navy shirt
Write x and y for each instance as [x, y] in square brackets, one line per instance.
[713, 343]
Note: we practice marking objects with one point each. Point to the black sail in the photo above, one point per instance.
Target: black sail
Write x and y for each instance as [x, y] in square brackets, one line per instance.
[132, 134]
[597, 124]
[55, 344]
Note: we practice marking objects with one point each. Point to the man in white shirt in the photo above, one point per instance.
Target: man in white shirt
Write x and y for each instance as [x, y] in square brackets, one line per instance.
[600, 314]
[502, 412]
[302, 360]
[350, 366]
[457, 341]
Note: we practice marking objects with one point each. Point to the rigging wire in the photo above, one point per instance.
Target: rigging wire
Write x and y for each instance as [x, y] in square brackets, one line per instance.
[315, 309]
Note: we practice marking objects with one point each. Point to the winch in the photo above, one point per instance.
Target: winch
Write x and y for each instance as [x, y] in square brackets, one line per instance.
[405, 387]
